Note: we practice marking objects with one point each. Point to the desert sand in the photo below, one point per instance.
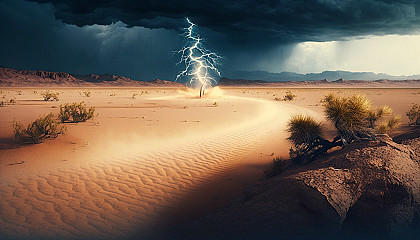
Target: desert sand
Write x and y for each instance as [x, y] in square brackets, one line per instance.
[150, 159]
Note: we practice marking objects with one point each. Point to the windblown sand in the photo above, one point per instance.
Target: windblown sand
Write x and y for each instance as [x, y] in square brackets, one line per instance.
[152, 158]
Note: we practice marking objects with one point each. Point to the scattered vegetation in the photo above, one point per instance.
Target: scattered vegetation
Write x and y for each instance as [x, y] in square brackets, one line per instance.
[12, 100]
[354, 118]
[75, 112]
[134, 96]
[1, 103]
[278, 166]
[215, 104]
[414, 115]
[289, 96]
[42, 128]
[50, 96]
[87, 93]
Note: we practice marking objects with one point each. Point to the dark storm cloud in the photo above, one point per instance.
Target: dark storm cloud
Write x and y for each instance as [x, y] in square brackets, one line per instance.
[137, 38]
[33, 39]
[268, 20]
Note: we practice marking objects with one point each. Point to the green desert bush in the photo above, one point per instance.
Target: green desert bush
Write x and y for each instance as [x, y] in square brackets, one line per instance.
[39, 130]
[303, 129]
[53, 96]
[289, 96]
[278, 166]
[75, 112]
[414, 115]
[306, 137]
[355, 118]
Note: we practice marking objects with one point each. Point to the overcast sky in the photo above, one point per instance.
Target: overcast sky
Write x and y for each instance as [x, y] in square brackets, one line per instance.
[137, 38]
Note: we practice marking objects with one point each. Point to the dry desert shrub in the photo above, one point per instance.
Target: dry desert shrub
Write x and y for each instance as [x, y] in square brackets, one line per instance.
[303, 129]
[289, 96]
[306, 137]
[87, 93]
[356, 119]
[386, 126]
[278, 166]
[414, 115]
[75, 112]
[42, 128]
[50, 96]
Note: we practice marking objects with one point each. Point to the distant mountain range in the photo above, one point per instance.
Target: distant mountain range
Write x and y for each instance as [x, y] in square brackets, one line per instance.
[330, 75]
[26, 78]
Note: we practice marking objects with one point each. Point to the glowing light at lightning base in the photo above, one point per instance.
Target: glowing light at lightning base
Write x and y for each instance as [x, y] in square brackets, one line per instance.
[200, 64]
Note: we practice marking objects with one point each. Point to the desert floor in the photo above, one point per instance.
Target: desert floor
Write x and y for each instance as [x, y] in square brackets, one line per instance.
[150, 159]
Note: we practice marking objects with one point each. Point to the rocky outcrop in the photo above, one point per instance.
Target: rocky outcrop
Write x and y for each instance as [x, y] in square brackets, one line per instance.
[368, 190]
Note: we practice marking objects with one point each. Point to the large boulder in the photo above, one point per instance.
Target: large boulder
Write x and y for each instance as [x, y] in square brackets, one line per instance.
[368, 190]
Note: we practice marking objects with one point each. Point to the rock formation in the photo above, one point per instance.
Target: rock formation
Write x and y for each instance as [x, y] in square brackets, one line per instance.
[368, 190]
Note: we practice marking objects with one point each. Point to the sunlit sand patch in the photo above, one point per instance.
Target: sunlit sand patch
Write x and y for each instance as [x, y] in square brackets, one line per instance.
[125, 183]
[191, 93]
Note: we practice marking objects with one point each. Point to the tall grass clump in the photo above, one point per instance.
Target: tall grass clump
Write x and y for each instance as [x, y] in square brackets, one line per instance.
[42, 128]
[75, 112]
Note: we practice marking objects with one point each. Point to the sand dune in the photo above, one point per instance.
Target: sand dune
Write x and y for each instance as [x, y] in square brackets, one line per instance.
[134, 185]
[147, 161]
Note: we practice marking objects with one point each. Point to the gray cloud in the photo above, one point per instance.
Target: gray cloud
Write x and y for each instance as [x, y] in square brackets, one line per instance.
[33, 39]
[137, 38]
[250, 20]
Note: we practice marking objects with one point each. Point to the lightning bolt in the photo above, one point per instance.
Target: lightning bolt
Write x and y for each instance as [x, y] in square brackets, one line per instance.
[200, 63]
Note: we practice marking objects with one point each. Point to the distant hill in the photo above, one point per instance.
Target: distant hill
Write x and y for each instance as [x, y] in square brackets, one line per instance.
[330, 75]
[25, 78]
[339, 83]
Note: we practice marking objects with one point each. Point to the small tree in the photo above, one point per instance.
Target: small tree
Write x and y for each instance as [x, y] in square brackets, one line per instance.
[75, 112]
[42, 128]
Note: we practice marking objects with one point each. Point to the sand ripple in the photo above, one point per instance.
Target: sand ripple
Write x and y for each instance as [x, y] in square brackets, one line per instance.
[124, 196]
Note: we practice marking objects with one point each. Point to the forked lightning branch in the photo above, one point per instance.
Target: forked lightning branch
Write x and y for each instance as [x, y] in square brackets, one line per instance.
[200, 64]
